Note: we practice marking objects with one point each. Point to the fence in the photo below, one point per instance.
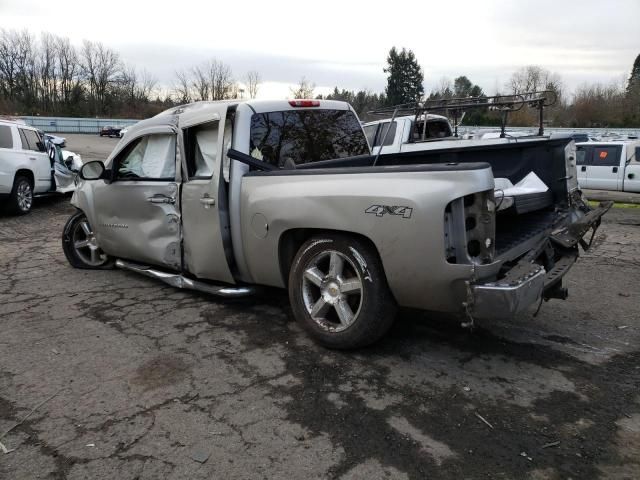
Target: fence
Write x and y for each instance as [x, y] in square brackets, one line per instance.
[75, 125]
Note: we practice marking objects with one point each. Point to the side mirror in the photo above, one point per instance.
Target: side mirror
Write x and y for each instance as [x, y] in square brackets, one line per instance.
[92, 170]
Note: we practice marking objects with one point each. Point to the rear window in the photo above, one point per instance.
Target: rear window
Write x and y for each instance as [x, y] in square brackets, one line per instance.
[606, 156]
[387, 137]
[435, 129]
[6, 140]
[289, 138]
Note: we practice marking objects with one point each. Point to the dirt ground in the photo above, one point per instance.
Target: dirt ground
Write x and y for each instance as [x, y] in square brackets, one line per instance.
[119, 376]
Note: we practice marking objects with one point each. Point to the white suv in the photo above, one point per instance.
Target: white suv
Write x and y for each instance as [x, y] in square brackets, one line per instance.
[29, 166]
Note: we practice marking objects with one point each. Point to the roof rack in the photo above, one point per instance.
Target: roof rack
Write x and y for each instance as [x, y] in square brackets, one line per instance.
[457, 107]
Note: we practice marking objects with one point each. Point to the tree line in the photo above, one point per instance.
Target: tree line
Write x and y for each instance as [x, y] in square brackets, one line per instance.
[48, 75]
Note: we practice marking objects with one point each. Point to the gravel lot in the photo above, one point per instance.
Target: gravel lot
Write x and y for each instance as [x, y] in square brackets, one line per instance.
[131, 379]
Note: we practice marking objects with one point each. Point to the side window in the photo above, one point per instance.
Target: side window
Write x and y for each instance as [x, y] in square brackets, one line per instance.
[389, 136]
[201, 144]
[31, 140]
[606, 156]
[23, 140]
[152, 157]
[370, 133]
[581, 156]
[636, 156]
[6, 139]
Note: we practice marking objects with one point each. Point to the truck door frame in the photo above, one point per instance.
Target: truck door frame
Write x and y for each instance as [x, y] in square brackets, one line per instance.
[206, 244]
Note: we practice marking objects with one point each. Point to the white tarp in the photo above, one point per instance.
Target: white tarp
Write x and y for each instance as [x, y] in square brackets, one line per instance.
[529, 184]
[206, 148]
[153, 157]
[505, 191]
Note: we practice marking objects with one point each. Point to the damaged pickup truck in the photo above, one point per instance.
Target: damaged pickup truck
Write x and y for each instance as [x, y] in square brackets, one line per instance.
[222, 197]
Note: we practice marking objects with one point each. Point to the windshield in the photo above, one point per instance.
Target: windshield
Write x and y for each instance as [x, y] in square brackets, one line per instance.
[289, 138]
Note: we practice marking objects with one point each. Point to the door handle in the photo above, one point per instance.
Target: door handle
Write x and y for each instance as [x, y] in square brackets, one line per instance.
[584, 169]
[615, 169]
[208, 201]
[630, 176]
[161, 199]
[32, 158]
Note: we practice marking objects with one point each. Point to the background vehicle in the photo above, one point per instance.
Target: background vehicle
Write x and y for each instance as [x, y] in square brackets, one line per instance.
[109, 131]
[611, 165]
[60, 141]
[30, 165]
[406, 130]
[286, 194]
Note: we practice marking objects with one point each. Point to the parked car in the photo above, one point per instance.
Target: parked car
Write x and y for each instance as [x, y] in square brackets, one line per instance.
[222, 197]
[613, 165]
[110, 131]
[30, 165]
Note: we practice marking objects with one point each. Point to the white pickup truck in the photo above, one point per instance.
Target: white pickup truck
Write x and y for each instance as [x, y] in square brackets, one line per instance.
[30, 165]
[405, 134]
[609, 165]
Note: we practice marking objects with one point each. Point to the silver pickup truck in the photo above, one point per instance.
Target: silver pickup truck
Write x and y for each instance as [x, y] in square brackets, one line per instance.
[224, 196]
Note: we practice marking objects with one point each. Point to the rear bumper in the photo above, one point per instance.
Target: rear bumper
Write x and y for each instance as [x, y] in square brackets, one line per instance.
[528, 282]
[506, 298]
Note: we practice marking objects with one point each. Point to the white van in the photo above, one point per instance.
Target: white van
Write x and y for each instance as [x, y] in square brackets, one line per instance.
[609, 165]
[30, 165]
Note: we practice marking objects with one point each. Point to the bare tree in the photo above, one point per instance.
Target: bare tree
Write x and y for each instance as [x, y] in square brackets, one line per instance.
[200, 83]
[9, 70]
[145, 87]
[48, 72]
[221, 80]
[182, 87]
[534, 78]
[253, 83]
[100, 66]
[68, 68]
[304, 89]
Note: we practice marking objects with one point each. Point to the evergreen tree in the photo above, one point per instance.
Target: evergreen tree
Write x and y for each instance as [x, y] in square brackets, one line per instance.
[405, 77]
[634, 79]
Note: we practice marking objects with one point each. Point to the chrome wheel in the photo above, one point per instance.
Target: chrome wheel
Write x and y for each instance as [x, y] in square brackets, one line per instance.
[332, 290]
[24, 196]
[86, 245]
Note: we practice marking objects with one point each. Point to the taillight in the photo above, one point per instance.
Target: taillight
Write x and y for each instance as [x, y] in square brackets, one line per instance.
[304, 103]
[470, 229]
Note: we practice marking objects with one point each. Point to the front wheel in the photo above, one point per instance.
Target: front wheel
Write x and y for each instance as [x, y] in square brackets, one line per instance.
[339, 292]
[80, 245]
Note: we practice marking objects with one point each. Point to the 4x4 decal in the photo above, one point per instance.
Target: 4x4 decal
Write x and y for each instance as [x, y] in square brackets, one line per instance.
[380, 210]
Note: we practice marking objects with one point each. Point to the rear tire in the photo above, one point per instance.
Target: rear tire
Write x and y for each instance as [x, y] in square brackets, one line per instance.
[339, 292]
[21, 197]
[80, 246]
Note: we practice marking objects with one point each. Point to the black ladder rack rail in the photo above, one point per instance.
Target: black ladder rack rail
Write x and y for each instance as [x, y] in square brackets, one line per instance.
[457, 106]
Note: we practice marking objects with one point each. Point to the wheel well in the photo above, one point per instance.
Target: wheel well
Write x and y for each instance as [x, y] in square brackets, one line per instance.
[292, 240]
[26, 173]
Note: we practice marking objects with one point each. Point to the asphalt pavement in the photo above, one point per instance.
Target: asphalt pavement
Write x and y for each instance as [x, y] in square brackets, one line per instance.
[106, 374]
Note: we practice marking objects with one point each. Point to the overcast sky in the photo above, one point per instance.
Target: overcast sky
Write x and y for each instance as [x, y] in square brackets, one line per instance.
[345, 43]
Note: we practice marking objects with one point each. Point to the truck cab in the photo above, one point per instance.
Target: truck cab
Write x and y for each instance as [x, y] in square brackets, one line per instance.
[609, 165]
[405, 130]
